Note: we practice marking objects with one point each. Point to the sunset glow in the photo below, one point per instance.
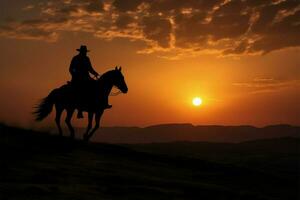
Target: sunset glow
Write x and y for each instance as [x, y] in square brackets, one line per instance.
[197, 101]
[232, 53]
[150, 99]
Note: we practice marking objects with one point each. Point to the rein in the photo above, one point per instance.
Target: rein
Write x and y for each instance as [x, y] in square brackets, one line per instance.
[115, 93]
[111, 93]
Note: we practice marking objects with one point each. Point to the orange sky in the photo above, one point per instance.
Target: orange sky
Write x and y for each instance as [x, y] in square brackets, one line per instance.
[247, 76]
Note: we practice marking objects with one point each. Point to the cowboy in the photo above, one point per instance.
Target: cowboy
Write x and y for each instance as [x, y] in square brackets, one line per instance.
[80, 68]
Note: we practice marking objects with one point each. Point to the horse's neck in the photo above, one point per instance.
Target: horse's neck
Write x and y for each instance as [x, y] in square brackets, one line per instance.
[105, 87]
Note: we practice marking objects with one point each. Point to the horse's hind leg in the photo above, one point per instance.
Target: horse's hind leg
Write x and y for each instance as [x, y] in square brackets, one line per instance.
[68, 122]
[57, 119]
[90, 123]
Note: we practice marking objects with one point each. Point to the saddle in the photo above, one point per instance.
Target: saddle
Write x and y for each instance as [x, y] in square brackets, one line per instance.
[82, 85]
[82, 92]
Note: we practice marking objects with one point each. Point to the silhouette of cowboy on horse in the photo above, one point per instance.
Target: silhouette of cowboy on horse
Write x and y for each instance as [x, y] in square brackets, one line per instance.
[80, 68]
[83, 93]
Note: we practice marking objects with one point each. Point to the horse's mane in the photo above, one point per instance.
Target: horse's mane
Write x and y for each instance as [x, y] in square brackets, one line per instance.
[106, 74]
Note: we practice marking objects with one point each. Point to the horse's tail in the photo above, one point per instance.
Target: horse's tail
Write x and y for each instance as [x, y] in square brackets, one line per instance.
[46, 105]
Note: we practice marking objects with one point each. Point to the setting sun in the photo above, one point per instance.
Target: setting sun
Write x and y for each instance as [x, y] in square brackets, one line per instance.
[197, 101]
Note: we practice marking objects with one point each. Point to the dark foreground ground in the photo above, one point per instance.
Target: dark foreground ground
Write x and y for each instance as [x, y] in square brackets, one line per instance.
[40, 166]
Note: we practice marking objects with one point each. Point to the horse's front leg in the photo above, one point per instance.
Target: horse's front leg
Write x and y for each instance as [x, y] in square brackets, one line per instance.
[97, 125]
[90, 123]
[57, 119]
[68, 122]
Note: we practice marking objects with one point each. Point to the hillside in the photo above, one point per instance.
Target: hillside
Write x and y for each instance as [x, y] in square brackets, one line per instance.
[280, 156]
[36, 165]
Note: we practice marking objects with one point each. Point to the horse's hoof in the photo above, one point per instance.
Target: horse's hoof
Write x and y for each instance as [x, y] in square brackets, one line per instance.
[85, 138]
[72, 136]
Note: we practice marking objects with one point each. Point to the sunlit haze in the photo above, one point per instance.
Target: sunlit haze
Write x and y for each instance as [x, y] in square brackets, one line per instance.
[242, 57]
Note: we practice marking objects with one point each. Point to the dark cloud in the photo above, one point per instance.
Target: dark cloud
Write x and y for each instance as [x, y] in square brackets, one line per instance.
[231, 8]
[268, 13]
[124, 20]
[94, 6]
[165, 6]
[191, 30]
[128, 5]
[233, 15]
[232, 27]
[229, 26]
[257, 3]
[67, 8]
[170, 5]
[278, 35]
[50, 21]
[157, 29]
[240, 48]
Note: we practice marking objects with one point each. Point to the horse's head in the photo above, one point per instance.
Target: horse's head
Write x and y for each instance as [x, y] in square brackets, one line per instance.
[115, 78]
[119, 80]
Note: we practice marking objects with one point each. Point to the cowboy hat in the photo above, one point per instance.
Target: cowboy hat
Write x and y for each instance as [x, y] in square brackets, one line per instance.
[83, 48]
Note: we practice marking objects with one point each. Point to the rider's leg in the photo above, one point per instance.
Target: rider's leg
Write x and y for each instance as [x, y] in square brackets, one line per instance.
[106, 104]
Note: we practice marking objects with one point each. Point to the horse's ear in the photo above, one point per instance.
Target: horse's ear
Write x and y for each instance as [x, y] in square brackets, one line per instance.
[120, 68]
[116, 68]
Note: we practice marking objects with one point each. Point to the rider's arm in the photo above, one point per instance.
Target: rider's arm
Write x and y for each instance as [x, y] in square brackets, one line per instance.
[90, 68]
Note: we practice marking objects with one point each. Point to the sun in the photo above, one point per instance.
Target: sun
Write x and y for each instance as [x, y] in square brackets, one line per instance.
[197, 101]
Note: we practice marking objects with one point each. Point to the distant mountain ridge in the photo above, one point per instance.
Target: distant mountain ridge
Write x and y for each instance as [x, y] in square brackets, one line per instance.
[188, 132]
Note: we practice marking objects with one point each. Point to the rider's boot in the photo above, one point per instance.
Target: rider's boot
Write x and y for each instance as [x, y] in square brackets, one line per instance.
[107, 106]
[79, 114]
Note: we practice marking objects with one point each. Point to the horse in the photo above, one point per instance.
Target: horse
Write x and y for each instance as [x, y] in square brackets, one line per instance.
[92, 101]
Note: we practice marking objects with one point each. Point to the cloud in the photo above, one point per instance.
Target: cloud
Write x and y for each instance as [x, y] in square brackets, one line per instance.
[170, 27]
[28, 7]
[129, 5]
[284, 33]
[261, 85]
[124, 20]
[157, 29]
